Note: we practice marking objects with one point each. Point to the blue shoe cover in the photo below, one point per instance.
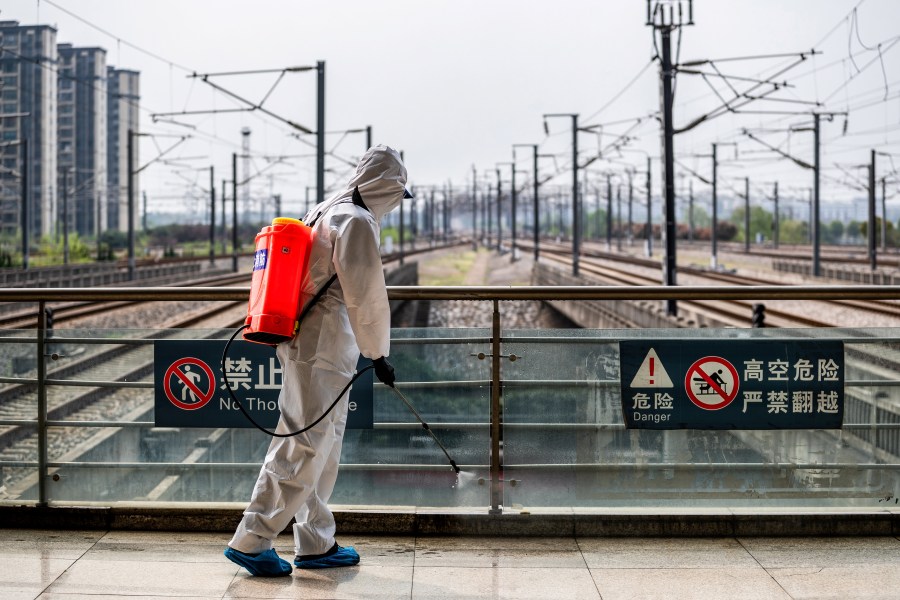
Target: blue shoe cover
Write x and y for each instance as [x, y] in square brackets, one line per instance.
[338, 556]
[264, 564]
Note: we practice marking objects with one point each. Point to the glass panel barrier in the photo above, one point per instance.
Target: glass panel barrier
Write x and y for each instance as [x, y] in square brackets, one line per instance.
[104, 447]
[18, 416]
[398, 463]
[565, 443]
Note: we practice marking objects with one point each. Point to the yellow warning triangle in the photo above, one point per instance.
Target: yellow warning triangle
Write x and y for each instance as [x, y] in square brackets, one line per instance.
[651, 374]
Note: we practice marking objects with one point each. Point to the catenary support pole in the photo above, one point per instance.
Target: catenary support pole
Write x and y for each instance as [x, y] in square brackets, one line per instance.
[513, 208]
[537, 230]
[234, 219]
[224, 217]
[212, 215]
[320, 132]
[474, 207]
[776, 227]
[490, 212]
[883, 214]
[609, 212]
[130, 160]
[619, 217]
[873, 258]
[576, 203]
[816, 230]
[714, 227]
[485, 216]
[649, 209]
[25, 232]
[630, 202]
[448, 222]
[668, 74]
[746, 215]
[499, 213]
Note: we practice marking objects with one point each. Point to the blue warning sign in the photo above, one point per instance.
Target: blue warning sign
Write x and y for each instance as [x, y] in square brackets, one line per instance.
[190, 389]
[732, 384]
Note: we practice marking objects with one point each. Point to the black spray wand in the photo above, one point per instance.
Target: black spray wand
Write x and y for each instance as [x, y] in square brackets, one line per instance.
[426, 427]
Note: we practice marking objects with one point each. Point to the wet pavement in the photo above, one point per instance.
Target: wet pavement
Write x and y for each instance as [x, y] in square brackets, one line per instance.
[83, 565]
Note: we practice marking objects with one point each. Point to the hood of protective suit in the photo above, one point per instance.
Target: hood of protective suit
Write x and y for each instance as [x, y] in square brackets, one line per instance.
[381, 179]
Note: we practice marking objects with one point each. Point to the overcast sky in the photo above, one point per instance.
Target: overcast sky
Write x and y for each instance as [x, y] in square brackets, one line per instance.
[455, 83]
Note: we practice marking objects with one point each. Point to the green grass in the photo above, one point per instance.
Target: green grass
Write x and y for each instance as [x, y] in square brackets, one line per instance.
[450, 269]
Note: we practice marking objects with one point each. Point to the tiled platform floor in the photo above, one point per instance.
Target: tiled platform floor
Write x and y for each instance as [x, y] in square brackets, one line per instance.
[82, 565]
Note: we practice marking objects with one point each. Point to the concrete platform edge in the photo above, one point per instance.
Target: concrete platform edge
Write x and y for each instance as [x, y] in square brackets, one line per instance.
[875, 523]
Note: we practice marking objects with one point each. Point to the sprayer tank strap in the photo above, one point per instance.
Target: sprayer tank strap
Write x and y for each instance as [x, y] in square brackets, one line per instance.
[358, 201]
[316, 298]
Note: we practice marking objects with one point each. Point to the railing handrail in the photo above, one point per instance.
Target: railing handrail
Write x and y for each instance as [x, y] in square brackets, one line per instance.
[484, 293]
[493, 294]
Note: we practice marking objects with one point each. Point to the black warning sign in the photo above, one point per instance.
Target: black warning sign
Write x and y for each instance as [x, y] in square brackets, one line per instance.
[732, 384]
[191, 388]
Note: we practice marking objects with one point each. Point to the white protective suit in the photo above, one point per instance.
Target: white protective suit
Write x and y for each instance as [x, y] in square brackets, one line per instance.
[353, 317]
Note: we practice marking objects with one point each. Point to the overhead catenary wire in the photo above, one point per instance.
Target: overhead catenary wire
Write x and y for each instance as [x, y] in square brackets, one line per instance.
[89, 84]
[120, 41]
[639, 135]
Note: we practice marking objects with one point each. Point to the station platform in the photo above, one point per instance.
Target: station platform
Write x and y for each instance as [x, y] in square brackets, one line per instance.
[590, 509]
[82, 565]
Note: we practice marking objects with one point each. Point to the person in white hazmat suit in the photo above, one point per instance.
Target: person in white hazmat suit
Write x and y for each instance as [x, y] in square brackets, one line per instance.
[352, 317]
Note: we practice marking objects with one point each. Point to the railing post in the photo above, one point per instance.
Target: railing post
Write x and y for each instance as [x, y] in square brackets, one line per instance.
[42, 405]
[496, 467]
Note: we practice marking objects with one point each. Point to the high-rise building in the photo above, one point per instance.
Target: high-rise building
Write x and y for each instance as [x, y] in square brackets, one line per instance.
[81, 130]
[28, 61]
[123, 98]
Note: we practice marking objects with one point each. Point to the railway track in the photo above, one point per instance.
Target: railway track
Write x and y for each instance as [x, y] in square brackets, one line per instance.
[851, 255]
[65, 312]
[78, 389]
[736, 312]
[94, 362]
[881, 307]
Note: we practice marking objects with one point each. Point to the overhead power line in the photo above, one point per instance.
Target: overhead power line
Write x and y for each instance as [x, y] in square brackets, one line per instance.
[117, 38]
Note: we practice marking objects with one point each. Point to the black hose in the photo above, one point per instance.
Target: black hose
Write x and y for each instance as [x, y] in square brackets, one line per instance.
[257, 425]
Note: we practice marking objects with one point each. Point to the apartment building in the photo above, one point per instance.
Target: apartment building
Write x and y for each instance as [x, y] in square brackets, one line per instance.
[28, 134]
[81, 131]
[123, 98]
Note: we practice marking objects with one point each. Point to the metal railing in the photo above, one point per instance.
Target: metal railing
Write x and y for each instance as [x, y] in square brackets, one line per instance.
[494, 295]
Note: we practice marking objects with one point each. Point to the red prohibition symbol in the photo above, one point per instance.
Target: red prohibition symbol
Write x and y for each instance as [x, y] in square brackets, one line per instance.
[192, 396]
[711, 383]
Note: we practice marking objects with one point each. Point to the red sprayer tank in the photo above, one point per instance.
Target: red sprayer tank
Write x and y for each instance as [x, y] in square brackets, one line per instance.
[279, 268]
